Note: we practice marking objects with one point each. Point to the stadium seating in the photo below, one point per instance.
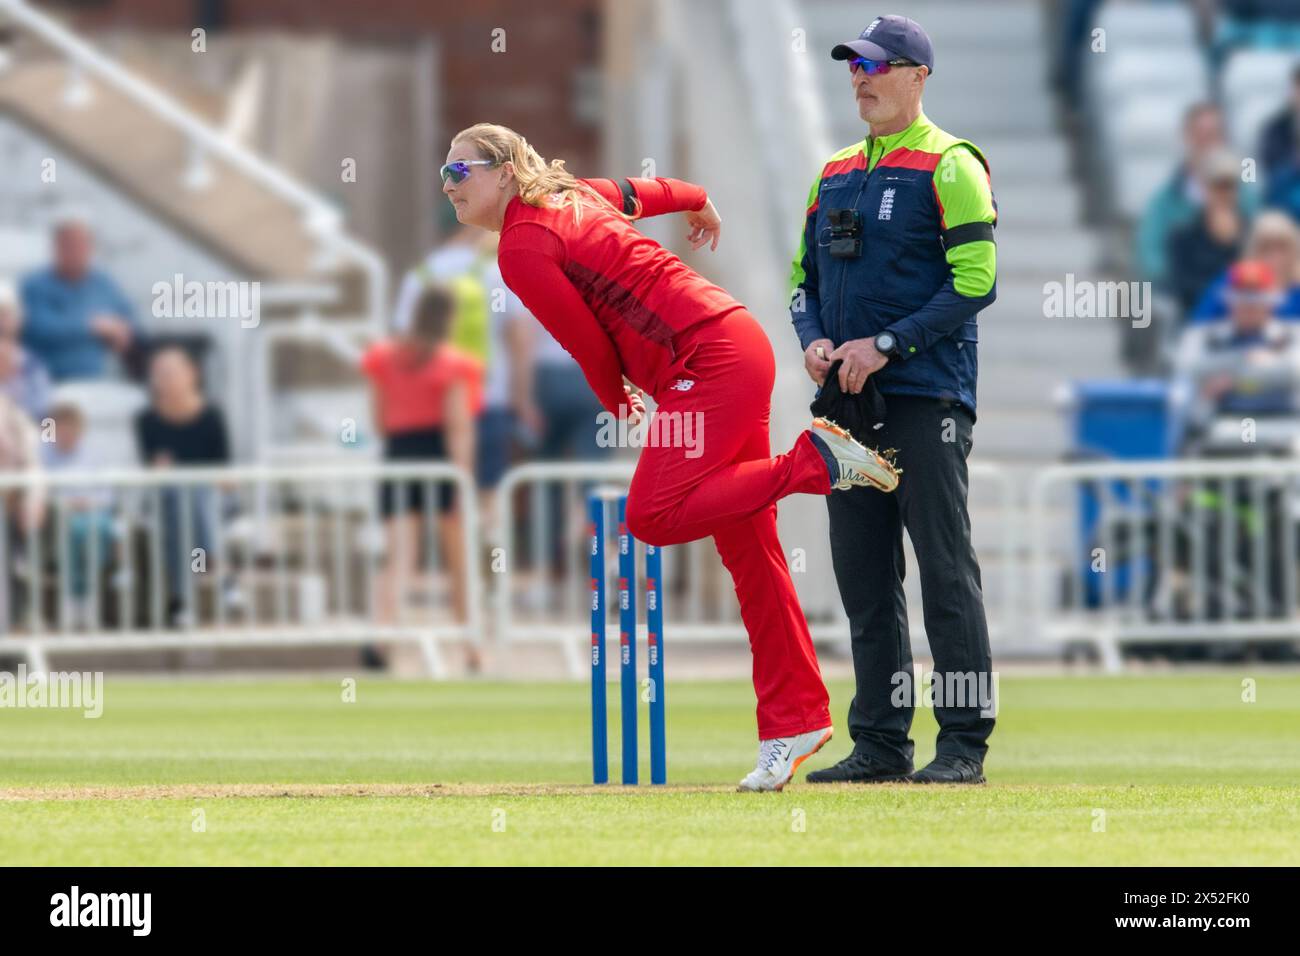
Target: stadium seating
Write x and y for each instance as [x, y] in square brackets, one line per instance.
[1254, 84]
[1136, 94]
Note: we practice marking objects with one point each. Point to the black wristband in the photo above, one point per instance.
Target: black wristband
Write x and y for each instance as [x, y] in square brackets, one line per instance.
[629, 196]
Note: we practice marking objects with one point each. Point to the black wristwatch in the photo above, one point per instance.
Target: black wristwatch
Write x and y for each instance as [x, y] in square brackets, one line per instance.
[887, 344]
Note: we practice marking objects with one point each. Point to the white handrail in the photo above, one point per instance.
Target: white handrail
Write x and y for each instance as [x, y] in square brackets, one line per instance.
[220, 474]
[1151, 529]
[322, 219]
[691, 622]
[36, 633]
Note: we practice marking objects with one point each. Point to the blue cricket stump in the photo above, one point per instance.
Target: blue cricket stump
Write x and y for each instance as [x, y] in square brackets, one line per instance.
[627, 641]
[599, 733]
[654, 612]
[627, 638]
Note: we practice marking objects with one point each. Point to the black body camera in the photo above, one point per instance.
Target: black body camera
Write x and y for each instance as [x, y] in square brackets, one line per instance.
[846, 233]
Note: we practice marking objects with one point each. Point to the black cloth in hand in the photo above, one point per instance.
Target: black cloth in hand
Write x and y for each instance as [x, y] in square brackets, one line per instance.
[860, 414]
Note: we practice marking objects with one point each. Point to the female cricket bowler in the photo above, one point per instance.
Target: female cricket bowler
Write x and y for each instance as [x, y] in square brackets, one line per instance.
[623, 306]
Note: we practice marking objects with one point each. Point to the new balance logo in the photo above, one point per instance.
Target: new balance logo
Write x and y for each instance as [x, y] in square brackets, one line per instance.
[886, 204]
[682, 385]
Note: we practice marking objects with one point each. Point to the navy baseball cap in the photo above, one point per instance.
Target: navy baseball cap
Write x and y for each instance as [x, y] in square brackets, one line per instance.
[889, 38]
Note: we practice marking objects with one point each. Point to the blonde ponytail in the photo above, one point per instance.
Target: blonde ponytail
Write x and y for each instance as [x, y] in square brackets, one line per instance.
[536, 180]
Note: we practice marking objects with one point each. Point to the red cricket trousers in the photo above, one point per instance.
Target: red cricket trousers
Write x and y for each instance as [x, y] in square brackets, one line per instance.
[707, 469]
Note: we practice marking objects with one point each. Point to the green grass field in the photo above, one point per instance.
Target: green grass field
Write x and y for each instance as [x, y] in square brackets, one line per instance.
[485, 773]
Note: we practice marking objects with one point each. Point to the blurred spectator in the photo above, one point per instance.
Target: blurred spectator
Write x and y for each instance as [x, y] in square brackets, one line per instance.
[1202, 248]
[1247, 366]
[1279, 144]
[85, 522]
[425, 393]
[1077, 19]
[76, 316]
[1279, 10]
[20, 451]
[180, 427]
[1275, 240]
[569, 410]
[22, 377]
[1182, 196]
[492, 324]
[1260, 11]
[1279, 150]
[24, 509]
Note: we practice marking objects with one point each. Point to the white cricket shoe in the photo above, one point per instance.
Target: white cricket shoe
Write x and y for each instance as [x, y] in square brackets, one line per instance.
[779, 758]
[859, 465]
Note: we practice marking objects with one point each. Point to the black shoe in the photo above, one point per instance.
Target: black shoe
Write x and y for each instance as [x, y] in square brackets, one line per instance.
[859, 768]
[950, 770]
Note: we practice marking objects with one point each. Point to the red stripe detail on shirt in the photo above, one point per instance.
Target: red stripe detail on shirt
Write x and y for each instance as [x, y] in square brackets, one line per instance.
[840, 166]
[598, 287]
[911, 159]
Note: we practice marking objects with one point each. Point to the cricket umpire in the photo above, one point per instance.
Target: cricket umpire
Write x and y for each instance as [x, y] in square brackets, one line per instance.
[896, 260]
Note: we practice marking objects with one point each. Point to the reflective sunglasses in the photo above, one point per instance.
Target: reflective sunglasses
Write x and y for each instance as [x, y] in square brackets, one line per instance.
[876, 67]
[458, 171]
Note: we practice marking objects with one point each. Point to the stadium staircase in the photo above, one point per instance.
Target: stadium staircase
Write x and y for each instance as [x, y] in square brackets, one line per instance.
[178, 159]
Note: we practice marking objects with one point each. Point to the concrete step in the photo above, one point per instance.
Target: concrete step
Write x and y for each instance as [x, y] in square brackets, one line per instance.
[976, 108]
[1040, 159]
[1046, 252]
[1005, 384]
[1020, 434]
[1054, 204]
[996, 23]
[1067, 343]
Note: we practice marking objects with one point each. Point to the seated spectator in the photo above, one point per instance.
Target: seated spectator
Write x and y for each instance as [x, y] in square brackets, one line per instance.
[1279, 143]
[76, 316]
[86, 524]
[24, 509]
[22, 377]
[180, 427]
[20, 451]
[1181, 197]
[1274, 239]
[1204, 247]
[1247, 366]
[426, 394]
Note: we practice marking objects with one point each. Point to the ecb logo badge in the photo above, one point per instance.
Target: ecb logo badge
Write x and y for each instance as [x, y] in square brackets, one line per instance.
[886, 205]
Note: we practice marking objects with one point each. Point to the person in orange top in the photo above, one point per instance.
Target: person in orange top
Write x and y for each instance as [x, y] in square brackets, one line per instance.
[426, 394]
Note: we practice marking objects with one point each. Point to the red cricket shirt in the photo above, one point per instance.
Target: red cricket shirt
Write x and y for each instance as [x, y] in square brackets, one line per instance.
[614, 298]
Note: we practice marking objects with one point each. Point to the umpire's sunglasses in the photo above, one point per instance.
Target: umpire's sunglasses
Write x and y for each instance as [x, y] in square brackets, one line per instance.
[876, 67]
[458, 171]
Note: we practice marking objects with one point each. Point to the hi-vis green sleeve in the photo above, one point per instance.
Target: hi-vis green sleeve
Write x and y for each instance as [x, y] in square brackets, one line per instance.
[805, 301]
[966, 204]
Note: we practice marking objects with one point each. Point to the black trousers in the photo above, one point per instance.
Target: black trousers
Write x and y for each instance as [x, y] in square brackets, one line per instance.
[933, 439]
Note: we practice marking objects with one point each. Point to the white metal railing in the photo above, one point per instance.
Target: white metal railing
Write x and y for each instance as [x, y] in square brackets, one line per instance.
[321, 219]
[1188, 551]
[540, 583]
[236, 556]
[298, 555]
